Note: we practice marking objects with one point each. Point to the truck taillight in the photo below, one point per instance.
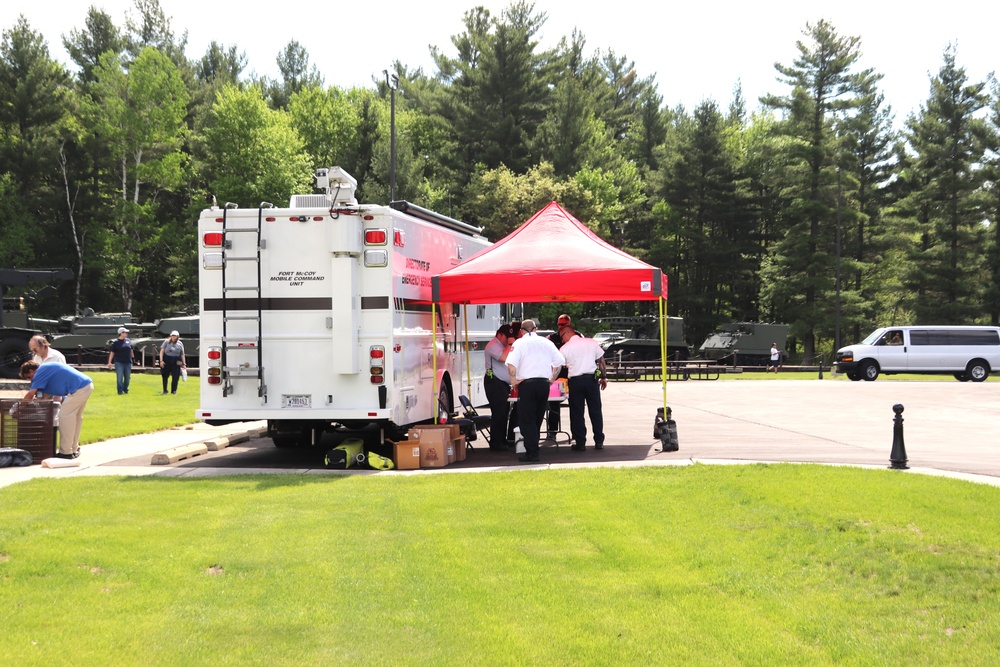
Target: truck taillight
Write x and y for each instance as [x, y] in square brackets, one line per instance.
[214, 359]
[376, 364]
[214, 380]
[375, 237]
[212, 239]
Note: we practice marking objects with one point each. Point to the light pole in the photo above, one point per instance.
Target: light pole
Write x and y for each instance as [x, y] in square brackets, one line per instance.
[392, 81]
[836, 335]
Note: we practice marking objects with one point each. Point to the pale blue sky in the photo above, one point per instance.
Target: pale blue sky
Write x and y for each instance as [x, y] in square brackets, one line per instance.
[696, 50]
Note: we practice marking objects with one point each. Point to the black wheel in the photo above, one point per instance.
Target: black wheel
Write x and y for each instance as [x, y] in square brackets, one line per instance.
[977, 370]
[13, 353]
[869, 371]
[962, 377]
[854, 376]
[446, 407]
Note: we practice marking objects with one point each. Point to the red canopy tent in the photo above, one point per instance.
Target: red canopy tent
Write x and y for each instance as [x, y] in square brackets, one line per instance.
[554, 257]
[551, 257]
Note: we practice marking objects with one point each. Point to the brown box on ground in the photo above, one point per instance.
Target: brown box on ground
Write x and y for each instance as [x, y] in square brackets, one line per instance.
[434, 442]
[459, 443]
[406, 454]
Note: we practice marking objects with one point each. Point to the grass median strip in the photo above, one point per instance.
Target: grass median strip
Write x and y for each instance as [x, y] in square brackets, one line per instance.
[763, 564]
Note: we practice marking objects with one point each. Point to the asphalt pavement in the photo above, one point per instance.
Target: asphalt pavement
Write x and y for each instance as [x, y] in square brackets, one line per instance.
[949, 428]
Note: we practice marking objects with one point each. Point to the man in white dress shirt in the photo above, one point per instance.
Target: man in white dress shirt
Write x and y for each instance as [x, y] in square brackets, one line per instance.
[534, 364]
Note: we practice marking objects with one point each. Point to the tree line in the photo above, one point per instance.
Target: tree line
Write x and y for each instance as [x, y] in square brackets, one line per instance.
[809, 208]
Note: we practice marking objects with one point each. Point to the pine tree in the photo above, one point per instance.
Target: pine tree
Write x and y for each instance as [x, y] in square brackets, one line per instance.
[801, 276]
[947, 204]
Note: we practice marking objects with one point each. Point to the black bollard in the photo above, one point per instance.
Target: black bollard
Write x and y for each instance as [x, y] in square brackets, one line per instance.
[898, 455]
[821, 370]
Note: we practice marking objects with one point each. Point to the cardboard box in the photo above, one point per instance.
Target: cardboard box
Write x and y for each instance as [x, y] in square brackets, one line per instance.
[454, 429]
[434, 443]
[434, 452]
[439, 444]
[406, 455]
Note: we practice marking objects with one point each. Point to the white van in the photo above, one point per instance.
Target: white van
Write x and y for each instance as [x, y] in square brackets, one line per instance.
[968, 353]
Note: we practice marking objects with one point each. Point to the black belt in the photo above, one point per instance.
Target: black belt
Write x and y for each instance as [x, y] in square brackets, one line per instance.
[535, 380]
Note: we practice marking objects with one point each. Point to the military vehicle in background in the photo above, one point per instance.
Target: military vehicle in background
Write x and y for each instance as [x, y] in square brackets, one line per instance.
[749, 342]
[640, 338]
[85, 339]
[16, 326]
[147, 349]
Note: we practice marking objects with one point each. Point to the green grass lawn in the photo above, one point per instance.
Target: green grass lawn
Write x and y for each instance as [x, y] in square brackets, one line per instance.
[702, 565]
[143, 410]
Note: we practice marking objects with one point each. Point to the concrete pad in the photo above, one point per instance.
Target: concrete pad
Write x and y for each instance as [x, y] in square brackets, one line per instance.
[216, 444]
[176, 454]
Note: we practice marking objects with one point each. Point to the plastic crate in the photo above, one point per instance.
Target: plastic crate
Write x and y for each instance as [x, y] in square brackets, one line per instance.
[29, 425]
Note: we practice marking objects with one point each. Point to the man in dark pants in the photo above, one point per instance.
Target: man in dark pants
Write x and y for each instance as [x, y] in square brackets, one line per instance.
[497, 385]
[533, 364]
[564, 322]
[584, 360]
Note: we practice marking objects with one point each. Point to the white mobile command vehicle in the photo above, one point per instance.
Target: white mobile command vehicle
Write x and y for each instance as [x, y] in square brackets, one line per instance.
[968, 353]
[319, 314]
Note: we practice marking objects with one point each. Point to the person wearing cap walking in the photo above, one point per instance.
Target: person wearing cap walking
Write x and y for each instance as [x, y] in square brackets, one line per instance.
[497, 384]
[123, 357]
[171, 361]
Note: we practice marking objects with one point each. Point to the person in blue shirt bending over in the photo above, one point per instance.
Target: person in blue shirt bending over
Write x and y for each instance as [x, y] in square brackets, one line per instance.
[60, 380]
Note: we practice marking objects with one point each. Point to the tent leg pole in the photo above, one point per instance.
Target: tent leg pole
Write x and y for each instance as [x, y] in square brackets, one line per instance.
[434, 362]
[663, 350]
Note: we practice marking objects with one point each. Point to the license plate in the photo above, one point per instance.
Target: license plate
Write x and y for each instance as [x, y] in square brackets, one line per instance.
[296, 401]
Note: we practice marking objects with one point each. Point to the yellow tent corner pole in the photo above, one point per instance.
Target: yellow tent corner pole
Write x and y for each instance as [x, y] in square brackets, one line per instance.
[663, 351]
[468, 364]
[434, 360]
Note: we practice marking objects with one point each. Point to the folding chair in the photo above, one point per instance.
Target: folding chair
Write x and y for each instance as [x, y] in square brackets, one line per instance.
[482, 422]
[467, 426]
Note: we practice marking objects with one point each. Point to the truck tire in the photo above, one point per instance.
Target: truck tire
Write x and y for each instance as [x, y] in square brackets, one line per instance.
[977, 370]
[869, 371]
[962, 377]
[854, 376]
[13, 353]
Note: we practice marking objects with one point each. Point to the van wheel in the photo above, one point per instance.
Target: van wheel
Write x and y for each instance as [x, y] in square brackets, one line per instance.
[869, 371]
[446, 408]
[853, 376]
[962, 377]
[977, 370]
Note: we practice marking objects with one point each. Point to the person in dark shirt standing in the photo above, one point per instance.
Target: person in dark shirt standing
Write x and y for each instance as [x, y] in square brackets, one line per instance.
[497, 384]
[123, 357]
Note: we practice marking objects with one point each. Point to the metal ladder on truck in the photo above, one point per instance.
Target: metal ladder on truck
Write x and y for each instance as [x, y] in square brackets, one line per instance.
[241, 313]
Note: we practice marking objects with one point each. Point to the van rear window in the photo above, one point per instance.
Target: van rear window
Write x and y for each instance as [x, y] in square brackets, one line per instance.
[954, 337]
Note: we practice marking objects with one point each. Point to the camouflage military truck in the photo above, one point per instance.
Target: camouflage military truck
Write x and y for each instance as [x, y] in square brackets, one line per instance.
[640, 339]
[750, 342]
